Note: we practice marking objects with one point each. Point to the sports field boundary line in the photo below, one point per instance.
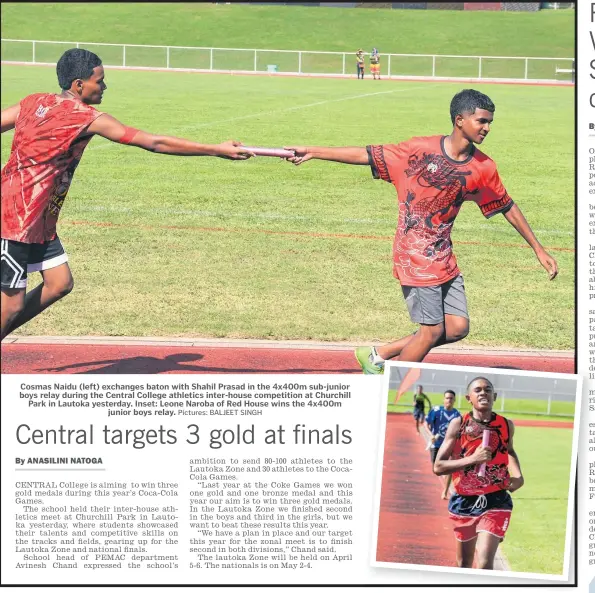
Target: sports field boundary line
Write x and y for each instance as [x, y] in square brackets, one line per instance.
[305, 234]
[274, 216]
[517, 81]
[270, 344]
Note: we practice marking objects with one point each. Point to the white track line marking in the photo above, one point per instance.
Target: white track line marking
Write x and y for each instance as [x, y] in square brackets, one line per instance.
[274, 112]
[290, 217]
[298, 107]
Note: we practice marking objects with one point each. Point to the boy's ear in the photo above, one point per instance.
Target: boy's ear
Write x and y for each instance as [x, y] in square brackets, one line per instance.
[495, 396]
[467, 398]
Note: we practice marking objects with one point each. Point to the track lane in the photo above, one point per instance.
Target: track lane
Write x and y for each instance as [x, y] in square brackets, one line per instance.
[100, 358]
[413, 527]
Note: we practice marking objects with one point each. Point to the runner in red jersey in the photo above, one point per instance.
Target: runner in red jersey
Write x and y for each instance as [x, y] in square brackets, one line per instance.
[51, 133]
[481, 506]
[433, 176]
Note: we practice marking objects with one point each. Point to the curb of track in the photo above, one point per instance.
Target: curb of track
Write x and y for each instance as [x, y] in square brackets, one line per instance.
[269, 344]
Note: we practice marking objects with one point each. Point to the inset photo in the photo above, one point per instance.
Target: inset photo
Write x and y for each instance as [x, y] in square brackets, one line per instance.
[477, 470]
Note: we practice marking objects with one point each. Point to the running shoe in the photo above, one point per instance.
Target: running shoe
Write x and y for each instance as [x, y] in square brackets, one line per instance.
[363, 355]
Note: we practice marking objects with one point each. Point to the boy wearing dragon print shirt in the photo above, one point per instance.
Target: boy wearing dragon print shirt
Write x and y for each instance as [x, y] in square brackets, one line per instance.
[433, 177]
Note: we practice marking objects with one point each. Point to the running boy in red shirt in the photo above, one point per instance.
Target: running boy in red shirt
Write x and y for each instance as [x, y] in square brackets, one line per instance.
[481, 505]
[51, 134]
[433, 176]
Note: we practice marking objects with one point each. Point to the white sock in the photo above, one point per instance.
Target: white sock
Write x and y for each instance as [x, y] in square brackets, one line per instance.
[376, 358]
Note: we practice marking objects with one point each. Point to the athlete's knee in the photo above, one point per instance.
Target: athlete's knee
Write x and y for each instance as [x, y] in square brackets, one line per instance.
[67, 287]
[484, 562]
[457, 329]
[60, 288]
[11, 308]
[431, 333]
[13, 302]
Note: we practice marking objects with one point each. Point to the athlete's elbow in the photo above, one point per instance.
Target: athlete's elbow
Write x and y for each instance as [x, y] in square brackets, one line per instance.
[157, 147]
[157, 144]
[438, 469]
[516, 483]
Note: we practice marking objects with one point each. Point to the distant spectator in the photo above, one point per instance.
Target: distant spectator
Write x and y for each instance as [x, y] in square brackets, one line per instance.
[375, 64]
[359, 56]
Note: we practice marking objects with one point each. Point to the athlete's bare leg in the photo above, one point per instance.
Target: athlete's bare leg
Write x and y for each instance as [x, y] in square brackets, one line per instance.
[466, 553]
[455, 328]
[487, 546]
[57, 283]
[447, 481]
[11, 304]
[426, 337]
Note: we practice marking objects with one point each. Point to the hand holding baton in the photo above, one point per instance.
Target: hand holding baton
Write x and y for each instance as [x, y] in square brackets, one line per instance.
[485, 441]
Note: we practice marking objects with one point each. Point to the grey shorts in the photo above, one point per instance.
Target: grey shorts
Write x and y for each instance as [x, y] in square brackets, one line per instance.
[428, 304]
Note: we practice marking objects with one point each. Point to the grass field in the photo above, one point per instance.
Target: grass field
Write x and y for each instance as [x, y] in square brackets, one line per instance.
[272, 28]
[263, 249]
[546, 33]
[536, 536]
[527, 409]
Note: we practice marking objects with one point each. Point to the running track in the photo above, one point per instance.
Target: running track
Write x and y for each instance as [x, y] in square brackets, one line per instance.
[26, 355]
[413, 526]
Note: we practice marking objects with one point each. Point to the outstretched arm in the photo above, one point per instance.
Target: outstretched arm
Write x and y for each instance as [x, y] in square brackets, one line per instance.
[109, 127]
[444, 465]
[350, 155]
[516, 218]
[9, 118]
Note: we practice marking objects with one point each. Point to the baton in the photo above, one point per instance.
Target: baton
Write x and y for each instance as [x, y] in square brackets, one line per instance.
[485, 441]
[262, 151]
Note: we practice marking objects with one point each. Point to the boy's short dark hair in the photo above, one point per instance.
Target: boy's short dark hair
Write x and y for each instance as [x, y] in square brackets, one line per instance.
[467, 101]
[480, 379]
[76, 63]
[450, 391]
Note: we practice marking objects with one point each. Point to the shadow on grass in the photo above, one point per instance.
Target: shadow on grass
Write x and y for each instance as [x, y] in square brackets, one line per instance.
[150, 365]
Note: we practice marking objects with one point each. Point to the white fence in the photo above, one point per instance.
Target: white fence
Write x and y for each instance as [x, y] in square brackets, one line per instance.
[517, 394]
[220, 59]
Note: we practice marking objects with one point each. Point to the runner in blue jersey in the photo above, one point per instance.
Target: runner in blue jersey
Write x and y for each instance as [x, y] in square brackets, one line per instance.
[437, 422]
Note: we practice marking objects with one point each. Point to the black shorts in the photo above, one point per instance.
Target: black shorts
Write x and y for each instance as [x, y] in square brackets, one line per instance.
[18, 259]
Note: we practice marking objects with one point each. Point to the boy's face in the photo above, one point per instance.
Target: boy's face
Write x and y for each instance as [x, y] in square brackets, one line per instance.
[449, 401]
[475, 126]
[481, 395]
[92, 88]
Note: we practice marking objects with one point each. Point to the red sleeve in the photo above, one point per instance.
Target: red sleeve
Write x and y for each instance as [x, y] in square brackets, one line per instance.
[492, 197]
[386, 160]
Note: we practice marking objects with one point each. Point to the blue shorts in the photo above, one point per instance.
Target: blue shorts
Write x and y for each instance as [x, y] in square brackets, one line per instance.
[489, 513]
[418, 414]
[467, 505]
